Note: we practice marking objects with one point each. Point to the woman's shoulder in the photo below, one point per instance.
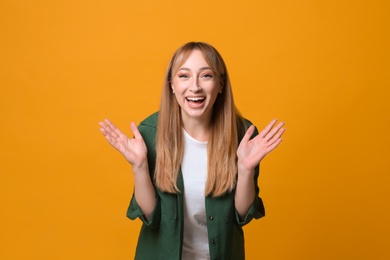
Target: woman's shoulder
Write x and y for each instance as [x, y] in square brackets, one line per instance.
[243, 126]
[148, 130]
[150, 121]
[247, 122]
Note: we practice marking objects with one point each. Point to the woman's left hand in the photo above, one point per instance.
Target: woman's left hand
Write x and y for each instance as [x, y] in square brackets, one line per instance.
[251, 151]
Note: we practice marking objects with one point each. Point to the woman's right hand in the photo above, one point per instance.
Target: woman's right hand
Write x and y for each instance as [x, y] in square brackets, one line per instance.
[134, 150]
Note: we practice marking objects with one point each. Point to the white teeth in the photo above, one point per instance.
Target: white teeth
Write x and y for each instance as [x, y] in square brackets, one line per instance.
[195, 98]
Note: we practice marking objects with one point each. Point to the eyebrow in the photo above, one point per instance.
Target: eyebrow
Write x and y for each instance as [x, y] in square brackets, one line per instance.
[201, 69]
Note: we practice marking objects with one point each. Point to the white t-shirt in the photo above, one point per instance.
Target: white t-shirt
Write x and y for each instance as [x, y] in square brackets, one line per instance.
[194, 169]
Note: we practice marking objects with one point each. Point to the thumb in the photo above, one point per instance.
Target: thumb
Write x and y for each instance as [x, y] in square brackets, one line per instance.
[248, 134]
[134, 129]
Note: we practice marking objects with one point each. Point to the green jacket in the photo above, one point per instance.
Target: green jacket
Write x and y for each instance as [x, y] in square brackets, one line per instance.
[161, 237]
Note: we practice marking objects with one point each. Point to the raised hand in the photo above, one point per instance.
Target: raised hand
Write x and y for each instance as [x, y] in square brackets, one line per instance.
[134, 150]
[251, 151]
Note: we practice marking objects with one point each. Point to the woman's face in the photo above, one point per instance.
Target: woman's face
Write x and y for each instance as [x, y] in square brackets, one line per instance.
[196, 87]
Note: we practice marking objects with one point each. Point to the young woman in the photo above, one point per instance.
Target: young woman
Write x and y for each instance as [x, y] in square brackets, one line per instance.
[195, 163]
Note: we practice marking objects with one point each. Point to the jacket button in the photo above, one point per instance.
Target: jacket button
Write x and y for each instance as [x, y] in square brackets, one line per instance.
[211, 217]
[212, 241]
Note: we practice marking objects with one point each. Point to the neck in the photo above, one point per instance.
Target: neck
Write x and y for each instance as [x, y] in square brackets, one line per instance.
[198, 129]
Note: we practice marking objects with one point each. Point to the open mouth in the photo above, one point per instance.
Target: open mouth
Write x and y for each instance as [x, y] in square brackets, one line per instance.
[196, 99]
[195, 102]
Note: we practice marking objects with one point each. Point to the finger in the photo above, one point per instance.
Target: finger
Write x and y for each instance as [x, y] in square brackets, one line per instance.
[274, 145]
[268, 128]
[134, 129]
[114, 131]
[102, 126]
[108, 134]
[274, 131]
[248, 134]
[110, 125]
[276, 136]
[106, 130]
[103, 131]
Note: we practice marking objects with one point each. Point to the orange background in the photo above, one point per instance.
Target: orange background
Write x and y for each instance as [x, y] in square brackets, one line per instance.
[321, 66]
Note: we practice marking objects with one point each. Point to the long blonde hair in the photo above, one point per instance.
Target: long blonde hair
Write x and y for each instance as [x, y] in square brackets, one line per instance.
[227, 125]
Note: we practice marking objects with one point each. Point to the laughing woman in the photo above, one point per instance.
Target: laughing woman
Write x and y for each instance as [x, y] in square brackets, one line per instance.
[195, 163]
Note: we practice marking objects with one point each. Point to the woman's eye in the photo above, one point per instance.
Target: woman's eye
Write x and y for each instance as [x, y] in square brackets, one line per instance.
[182, 76]
[207, 76]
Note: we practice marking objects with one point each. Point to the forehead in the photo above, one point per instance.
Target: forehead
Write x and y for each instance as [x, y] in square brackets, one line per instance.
[191, 58]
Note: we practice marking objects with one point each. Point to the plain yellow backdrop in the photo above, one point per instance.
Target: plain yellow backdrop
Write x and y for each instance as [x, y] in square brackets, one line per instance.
[321, 66]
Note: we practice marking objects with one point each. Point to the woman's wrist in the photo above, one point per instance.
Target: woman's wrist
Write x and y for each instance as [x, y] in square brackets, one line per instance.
[141, 168]
[243, 169]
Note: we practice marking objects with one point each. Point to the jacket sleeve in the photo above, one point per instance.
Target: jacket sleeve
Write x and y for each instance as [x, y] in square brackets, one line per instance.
[256, 210]
[134, 211]
[147, 128]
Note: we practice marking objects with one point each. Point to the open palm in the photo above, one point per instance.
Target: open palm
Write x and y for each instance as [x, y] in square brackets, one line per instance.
[251, 151]
[134, 150]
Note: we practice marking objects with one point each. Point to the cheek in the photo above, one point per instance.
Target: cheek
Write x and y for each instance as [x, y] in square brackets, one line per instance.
[214, 89]
[178, 97]
[178, 86]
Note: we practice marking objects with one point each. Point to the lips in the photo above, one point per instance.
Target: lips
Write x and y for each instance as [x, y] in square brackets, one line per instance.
[195, 102]
[195, 99]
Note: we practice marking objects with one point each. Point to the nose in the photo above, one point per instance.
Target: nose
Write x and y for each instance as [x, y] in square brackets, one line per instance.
[195, 86]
